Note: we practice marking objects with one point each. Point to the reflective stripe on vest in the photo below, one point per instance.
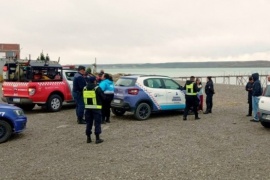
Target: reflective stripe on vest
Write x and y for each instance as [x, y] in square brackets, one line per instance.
[190, 90]
[90, 94]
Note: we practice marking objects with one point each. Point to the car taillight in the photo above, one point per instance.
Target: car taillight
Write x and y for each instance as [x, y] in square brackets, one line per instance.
[133, 91]
[5, 68]
[31, 91]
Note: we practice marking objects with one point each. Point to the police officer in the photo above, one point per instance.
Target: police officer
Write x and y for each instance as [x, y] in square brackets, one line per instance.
[93, 97]
[209, 91]
[191, 97]
[78, 84]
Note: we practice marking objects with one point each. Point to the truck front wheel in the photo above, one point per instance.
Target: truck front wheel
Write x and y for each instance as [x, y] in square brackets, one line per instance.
[5, 131]
[54, 103]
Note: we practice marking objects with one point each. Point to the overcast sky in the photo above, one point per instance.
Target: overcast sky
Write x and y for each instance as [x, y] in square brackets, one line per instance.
[138, 31]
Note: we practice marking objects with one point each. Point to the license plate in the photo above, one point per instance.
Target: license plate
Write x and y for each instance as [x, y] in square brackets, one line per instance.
[116, 101]
[16, 99]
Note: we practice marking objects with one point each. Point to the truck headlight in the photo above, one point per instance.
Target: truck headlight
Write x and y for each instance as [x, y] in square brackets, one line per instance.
[19, 112]
[31, 91]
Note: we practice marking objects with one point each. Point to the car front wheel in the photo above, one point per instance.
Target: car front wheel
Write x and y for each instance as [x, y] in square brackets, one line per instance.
[142, 111]
[266, 124]
[5, 131]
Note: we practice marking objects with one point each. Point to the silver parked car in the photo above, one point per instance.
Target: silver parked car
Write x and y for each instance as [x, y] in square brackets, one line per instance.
[264, 107]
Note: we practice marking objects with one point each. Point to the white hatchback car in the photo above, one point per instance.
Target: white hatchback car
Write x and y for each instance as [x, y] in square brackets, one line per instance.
[264, 108]
[144, 94]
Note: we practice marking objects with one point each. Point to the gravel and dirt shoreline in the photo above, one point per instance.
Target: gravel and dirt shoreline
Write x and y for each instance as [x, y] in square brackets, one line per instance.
[222, 145]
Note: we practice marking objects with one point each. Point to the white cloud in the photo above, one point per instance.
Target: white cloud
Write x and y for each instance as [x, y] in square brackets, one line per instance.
[128, 31]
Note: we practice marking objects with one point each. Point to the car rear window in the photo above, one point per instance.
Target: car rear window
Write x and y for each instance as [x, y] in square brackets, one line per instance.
[125, 82]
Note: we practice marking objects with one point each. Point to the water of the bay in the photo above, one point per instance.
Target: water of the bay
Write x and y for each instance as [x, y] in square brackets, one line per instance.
[197, 72]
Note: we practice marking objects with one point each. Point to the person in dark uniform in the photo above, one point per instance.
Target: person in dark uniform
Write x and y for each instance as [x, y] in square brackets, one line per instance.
[77, 92]
[107, 87]
[209, 91]
[93, 97]
[191, 97]
[249, 86]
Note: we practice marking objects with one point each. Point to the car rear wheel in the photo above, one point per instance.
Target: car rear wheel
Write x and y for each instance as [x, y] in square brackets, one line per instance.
[5, 131]
[266, 124]
[118, 112]
[142, 111]
[54, 103]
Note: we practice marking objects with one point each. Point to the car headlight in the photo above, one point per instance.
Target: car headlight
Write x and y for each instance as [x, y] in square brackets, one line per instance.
[19, 112]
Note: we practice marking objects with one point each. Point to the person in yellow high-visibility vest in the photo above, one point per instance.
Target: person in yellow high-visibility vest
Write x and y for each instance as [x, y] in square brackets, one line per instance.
[192, 100]
[93, 97]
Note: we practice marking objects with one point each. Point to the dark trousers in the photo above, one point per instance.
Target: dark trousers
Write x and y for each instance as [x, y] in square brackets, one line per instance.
[106, 106]
[250, 105]
[209, 102]
[191, 101]
[93, 116]
[78, 97]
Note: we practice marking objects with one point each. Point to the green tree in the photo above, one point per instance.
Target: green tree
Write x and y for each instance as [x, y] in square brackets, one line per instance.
[42, 57]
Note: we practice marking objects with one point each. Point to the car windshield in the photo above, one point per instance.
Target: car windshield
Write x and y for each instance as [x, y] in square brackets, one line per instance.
[267, 91]
[125, 82]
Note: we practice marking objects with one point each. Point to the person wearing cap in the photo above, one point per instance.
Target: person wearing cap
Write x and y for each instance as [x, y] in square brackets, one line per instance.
[107, 87]
[93, 97]
[209, 91]
[99, 77]
[77, 92]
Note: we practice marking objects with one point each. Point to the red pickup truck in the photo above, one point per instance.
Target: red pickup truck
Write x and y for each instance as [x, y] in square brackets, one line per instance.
[34, 82]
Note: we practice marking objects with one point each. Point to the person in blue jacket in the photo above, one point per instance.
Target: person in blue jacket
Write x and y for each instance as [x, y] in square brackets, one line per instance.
[256, 92]
[77, 92]
[107, 87]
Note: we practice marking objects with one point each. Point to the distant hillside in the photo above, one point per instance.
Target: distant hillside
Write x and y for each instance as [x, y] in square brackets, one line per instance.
[226, 64]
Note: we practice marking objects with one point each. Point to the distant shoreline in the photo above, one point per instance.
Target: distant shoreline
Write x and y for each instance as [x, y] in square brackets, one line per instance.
[225, 64]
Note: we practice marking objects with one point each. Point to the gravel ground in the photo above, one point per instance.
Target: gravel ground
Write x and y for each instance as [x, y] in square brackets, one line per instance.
[222, 145]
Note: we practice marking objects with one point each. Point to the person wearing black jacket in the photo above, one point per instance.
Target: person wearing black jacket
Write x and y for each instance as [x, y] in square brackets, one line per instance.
[78, 84]
[93, 97]
[192, 100]
[209, 91]
[256, 92]
[249, 86]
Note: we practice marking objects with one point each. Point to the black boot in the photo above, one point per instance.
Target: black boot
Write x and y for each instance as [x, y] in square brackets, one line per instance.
[98, 140]
[197, 118]
[89, 140]
[108, 120]
[81, 121]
